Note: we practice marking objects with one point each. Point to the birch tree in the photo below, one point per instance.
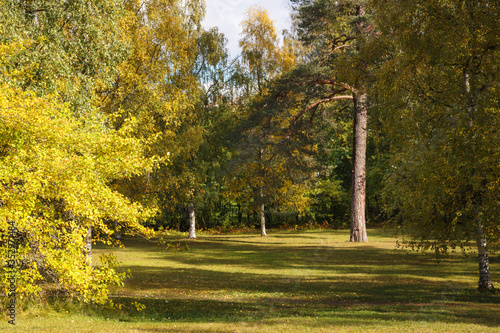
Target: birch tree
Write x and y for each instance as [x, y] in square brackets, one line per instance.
[263, 59]
[55, 172]
[438, 95]
[157, 87]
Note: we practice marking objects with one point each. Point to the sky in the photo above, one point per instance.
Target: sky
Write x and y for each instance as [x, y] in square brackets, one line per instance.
[227, 15]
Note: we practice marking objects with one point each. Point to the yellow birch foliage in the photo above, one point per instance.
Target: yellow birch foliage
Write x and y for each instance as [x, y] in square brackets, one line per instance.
[54, 174]
[262, 54]
[155, 86]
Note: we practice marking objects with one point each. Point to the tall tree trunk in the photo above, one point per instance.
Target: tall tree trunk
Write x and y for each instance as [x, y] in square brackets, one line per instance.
[240, 215]
[358, 219]
[358, 199]
[484, 263]
[261, 198]
[192, 221]
[262, 214]
[88, 246]
[117, 234]
[472, 102]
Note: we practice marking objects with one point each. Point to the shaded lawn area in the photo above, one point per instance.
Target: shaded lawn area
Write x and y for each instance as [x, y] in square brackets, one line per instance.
[313, 281]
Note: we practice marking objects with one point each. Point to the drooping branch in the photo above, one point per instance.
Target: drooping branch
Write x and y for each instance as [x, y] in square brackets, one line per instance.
[336, 48]
[321, 101]
[336, 44]
[313, 106]
[342, 39]
[336, 83]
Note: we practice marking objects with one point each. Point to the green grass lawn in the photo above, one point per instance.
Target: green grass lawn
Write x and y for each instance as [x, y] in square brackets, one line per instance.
[313, 281]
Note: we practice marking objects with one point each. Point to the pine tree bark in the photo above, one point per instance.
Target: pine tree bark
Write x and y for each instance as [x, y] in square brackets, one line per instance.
[192, 221]
[360, 123]
[358, 219]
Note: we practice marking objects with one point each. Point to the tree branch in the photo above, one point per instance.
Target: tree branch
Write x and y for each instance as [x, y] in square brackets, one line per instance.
[314, 105]
[335, 83]
[343, 39]
[341, 47]
[321, 101]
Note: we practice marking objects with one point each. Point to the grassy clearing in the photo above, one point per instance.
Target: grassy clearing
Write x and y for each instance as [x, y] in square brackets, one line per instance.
[288, 282]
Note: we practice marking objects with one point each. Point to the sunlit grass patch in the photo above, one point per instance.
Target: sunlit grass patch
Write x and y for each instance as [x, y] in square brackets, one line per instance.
[313, 281]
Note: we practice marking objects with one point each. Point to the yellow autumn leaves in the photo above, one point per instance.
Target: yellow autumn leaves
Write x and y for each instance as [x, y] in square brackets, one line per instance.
[55, 171]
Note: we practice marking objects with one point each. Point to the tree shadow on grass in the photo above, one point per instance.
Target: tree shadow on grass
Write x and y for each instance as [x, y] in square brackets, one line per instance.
[337, 313]
[342, 286]
[367, 260]
[375, 264]
[343, 283]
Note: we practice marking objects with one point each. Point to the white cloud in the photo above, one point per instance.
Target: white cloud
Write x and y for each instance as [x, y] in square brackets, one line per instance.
[227, 15]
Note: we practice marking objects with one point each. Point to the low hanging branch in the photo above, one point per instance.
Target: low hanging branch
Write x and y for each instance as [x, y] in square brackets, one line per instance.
[342, 39]
[332, 97]
[336, 83]
[321, 101]
[340, 47]
[314, 105]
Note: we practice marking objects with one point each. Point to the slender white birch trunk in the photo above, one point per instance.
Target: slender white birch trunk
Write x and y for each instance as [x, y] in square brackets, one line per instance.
[192, 221]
